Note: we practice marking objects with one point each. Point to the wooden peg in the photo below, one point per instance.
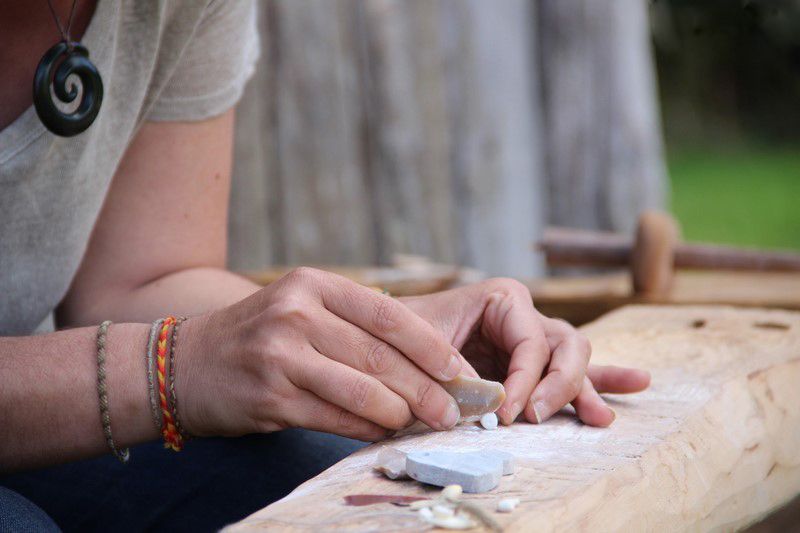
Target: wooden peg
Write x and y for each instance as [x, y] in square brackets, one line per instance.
[653, 254]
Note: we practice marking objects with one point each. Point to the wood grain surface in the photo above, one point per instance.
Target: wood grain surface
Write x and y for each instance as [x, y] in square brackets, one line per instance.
[713, 444]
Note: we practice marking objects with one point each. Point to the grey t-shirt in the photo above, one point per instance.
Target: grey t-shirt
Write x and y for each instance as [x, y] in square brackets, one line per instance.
[167, 60]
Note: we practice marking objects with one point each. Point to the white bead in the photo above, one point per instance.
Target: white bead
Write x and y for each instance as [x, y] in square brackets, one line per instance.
[458, 521]
[452, 492]
[489, 421]
[441, 511]
[453, 521]
[507, 505]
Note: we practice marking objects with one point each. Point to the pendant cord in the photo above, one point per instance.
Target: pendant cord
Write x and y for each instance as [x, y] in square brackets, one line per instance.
[71, 15]
[64, 33]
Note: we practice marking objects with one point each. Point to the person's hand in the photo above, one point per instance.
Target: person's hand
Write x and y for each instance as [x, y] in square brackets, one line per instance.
[318, 351]
[542, 361]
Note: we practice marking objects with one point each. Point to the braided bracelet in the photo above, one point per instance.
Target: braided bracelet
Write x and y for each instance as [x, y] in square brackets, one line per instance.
[102, 393]
[172, 439]
[155, 411]
[173, 395]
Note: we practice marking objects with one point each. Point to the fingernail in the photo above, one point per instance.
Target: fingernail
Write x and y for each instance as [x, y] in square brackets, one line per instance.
[613, 414]
[512, 411]
[539, 410]
[451, 417]
[452, 369]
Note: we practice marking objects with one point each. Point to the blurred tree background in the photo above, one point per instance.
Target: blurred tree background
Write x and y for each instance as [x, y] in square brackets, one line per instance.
[450, 129]
[729, 83]
[458, 129]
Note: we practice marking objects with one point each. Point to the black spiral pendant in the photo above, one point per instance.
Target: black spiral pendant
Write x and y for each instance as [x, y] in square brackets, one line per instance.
[59, 63]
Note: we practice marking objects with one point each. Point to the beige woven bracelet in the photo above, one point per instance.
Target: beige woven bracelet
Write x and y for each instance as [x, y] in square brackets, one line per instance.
[102, 393]
[155, 410]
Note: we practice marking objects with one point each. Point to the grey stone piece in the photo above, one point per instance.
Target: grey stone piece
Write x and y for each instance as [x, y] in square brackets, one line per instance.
[509, 462]
[474, 471]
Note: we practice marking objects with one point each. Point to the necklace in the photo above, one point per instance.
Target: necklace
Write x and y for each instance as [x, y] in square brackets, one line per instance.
[58, 67]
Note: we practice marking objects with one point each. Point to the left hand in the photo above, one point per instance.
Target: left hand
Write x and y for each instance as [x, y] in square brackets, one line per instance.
[543, 362]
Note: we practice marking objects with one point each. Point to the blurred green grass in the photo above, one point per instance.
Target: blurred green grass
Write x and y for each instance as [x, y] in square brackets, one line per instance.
[748, 196]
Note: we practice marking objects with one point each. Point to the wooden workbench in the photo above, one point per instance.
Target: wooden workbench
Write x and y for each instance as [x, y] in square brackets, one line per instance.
[713, 444]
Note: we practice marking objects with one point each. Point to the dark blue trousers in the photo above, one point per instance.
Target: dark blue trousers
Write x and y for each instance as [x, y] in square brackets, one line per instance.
[211, 483]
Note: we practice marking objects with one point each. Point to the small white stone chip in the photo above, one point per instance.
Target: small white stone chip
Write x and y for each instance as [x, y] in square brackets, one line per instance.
[391, 462]
[489, 421]
[442, 511]
[506, 505]
[452, 492]
[426, 513]
[446, 520]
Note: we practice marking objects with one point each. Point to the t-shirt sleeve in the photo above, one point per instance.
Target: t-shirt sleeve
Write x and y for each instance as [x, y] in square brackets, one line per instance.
[214, 66]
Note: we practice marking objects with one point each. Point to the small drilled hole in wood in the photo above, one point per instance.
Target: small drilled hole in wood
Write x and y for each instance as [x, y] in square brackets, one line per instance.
[772, 325]
[699, 323]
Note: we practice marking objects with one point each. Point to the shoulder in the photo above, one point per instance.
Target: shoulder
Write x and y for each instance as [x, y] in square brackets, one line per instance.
[172, 21]
[188, 60]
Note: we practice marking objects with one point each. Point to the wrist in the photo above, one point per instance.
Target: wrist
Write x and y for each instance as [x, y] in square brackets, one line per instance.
[126, 376]
[189, 376]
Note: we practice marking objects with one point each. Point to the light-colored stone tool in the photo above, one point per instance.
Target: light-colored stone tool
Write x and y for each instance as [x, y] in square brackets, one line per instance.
[475, 396]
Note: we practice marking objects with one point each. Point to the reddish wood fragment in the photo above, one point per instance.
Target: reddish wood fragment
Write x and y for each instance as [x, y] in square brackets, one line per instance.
[369, 499]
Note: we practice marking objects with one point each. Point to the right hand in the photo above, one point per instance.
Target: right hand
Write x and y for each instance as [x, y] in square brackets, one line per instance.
[318, 351]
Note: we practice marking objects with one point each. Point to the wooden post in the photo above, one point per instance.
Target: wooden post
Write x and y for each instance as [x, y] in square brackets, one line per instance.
[381, 127]
[602, 142]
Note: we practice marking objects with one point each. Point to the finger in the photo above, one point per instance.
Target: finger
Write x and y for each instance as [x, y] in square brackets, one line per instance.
[354, 391]
[354, 347]
[390, 320]
[514, 325]
[311, 412]
[591, 408]
[555, 329]
[563, 380]
[518, 385]
[612, 379]
[467, 369]
[617, 379]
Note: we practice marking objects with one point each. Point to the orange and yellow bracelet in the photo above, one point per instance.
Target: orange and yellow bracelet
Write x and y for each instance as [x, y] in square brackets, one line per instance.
[172, 437]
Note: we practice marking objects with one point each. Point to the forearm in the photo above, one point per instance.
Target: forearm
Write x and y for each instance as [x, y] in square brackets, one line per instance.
[49, 407]
[187, 292]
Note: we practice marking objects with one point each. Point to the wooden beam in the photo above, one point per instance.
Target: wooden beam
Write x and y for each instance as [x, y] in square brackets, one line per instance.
[584, 298]
[713, 444]
[579, 247]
